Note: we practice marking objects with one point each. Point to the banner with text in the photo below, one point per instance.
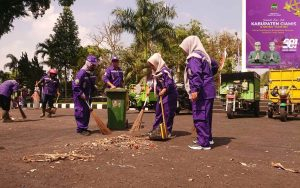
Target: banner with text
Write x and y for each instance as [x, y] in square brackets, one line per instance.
[273, 33]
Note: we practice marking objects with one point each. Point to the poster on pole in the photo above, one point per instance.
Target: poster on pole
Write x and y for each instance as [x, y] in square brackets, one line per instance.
[273, 33]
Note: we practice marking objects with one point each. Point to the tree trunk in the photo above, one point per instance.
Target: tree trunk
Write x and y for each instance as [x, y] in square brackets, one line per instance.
[66, 80]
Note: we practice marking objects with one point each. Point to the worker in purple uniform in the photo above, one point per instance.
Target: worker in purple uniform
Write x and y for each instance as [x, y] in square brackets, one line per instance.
[163, 85]
[50, 88]
[7, 88]
[113, 76]
[199, 83]
[83, 86]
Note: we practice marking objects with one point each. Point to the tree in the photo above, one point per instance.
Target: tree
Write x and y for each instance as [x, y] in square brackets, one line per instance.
[10, 10]
[149, 23]
[66, 3]
[134, 65]
[4, 76]
[23, 69]
[45, 50]
[13, 65]
[108, 37]
[26, 68]
[62, 46]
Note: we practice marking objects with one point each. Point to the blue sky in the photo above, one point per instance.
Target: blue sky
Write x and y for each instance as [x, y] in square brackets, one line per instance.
[215, 15]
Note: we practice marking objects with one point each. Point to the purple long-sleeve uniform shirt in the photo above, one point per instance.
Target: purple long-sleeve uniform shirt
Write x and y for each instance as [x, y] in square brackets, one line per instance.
[166, 81]
[84, 83]
[8, 87]
[50, 85]
[114, 76]
[201, 78]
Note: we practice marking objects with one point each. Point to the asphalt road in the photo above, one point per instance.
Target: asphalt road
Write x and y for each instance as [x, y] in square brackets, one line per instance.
[242, 154]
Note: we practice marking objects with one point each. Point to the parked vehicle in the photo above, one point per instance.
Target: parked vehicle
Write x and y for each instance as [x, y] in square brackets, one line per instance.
[137, 96]
[183, 101]
[284, 93]
[240, 92]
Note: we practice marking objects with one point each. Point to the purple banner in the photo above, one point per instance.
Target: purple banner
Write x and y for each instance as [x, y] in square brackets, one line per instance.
[273, 33]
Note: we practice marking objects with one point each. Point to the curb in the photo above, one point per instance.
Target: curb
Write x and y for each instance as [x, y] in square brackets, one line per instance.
[71, 106]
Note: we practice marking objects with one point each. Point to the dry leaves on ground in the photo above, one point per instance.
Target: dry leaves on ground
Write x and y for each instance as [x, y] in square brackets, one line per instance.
[123, 142]
[51, 157]
[280, 166]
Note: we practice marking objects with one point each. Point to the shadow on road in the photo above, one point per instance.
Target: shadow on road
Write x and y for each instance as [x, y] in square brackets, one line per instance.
[237, 116]
[66, 115]
[221, 141]
[181, 133]
[96, 132]
[289, 118]
[23, 120]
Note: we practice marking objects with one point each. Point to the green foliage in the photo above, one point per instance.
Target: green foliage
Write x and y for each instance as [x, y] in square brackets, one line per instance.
[27, 71]
[149, 23]
[62, 47]
[134, 65]
[12, 65]
[66, 2]
[65, 41]
[4, 76]
[11, 10]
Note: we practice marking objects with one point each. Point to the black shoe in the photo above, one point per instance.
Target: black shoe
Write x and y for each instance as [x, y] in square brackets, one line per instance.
[85, 132]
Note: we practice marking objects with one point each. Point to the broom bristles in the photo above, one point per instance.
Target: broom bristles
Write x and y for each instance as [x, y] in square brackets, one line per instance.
[137, 122]
[103, 128]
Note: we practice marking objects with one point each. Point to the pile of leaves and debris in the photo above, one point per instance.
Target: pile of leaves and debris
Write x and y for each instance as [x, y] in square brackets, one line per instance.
[118, 142]
[122, 142]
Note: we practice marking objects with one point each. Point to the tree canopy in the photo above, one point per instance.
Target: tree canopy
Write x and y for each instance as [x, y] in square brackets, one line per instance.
[149, 23]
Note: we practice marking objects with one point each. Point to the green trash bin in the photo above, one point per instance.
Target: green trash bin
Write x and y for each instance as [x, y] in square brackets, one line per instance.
[116, 108]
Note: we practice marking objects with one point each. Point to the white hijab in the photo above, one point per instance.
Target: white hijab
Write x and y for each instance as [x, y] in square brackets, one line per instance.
[191, 44]
[157, 61]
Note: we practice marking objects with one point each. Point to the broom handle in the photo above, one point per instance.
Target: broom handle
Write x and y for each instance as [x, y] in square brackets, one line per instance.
[144, 105]
[162, 110]
[88, 104]
[57, 99]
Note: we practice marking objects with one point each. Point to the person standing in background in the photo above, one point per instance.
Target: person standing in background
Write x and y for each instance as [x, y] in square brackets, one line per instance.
[113, 76]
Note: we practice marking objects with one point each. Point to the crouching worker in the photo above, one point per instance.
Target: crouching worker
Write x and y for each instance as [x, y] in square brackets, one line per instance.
[7, 88]
[50, 87]
[83, 86]
[164, 86]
